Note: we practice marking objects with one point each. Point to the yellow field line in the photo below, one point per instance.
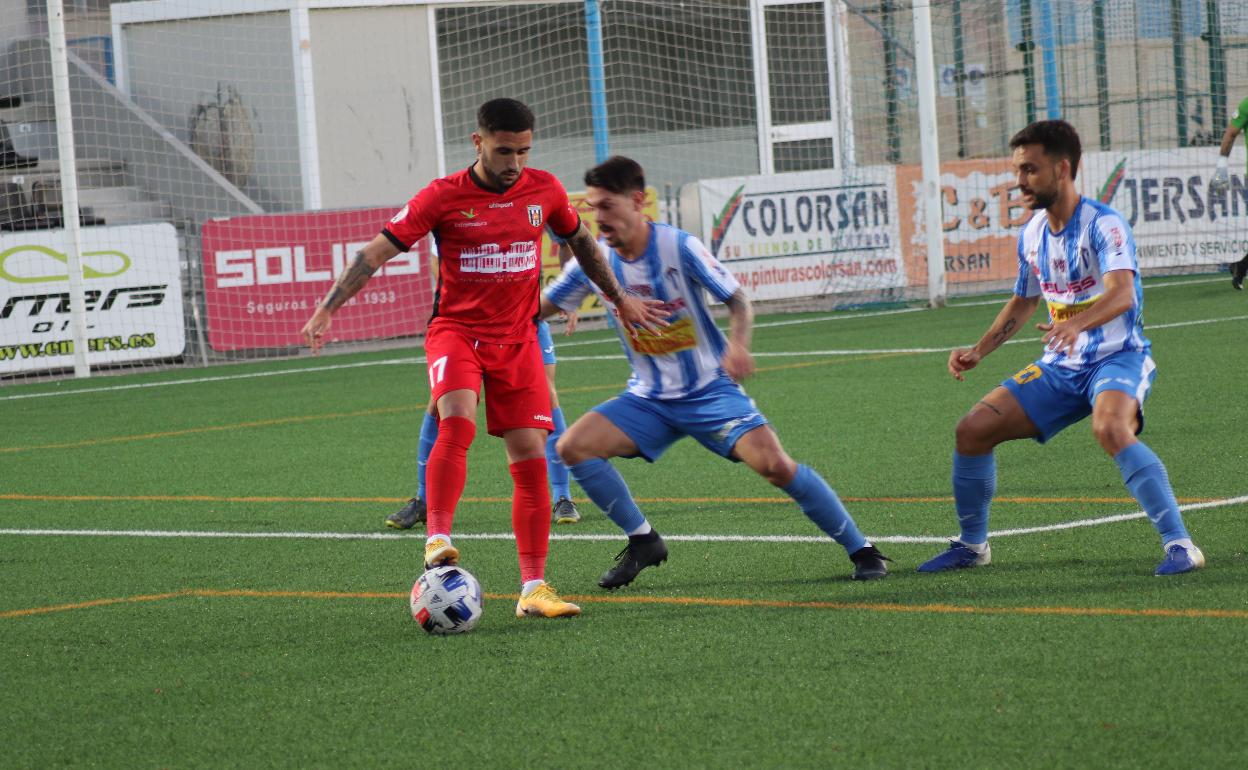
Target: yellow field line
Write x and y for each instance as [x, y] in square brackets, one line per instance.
[362, 413]
[580, 500]
[683, 601]
[92, 603]
[215, 428]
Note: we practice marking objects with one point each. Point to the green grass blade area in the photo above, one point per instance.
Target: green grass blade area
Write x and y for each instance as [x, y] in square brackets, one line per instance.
[280, 635]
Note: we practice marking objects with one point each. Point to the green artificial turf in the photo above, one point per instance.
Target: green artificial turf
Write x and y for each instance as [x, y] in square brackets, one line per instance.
[299, 652]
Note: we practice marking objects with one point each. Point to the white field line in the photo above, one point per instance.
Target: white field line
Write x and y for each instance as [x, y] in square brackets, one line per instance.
[613, 341]
[507, 536]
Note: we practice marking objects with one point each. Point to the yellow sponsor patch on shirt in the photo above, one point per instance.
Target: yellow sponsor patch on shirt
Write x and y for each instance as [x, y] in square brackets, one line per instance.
[670, 339]
[1060, 312]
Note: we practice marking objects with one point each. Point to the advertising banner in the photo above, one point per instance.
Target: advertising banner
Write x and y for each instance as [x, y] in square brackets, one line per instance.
[981, 218]
[1164, 195]
[806, 234]
[263, 276]
[132, 286]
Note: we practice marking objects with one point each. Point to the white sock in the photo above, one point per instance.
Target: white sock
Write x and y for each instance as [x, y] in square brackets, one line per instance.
[644, 529]
[1186, 542]
[431, 538]
[529, 585]
[976, 547]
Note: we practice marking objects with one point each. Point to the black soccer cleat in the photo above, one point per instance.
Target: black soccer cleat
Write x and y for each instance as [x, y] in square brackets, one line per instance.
[411, 514]
[1238, 269]
[642, 551]
[868, 563]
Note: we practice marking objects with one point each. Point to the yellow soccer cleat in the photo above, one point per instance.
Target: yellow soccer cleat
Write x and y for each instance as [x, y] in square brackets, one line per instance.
[440, 553]
[543, 602]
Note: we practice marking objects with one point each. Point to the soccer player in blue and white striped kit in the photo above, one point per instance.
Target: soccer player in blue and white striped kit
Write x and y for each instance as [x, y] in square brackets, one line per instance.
[1079, 255]
[684, 380]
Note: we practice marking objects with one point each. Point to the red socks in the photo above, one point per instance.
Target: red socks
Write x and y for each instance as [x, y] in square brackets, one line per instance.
[530, 516]
[446, 471]
[530, 503]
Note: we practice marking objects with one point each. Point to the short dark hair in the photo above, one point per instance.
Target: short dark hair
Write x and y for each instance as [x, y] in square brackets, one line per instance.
[1059, 139]
[504, 115]
[617, 174]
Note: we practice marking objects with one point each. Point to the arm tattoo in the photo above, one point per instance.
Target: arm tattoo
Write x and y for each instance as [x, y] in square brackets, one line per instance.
[349, 282]
[596, 268]
[1006, 330]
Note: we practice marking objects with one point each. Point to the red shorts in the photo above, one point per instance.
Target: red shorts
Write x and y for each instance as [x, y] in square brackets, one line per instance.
[516, 393]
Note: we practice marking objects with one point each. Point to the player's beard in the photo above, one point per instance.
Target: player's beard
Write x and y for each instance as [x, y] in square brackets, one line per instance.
[1042, 200]
[501, 182]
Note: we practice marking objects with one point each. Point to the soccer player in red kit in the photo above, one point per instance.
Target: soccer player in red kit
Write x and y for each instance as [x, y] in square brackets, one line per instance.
[487, 221]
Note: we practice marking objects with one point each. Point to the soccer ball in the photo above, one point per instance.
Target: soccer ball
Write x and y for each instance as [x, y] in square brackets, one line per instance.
[447, 600]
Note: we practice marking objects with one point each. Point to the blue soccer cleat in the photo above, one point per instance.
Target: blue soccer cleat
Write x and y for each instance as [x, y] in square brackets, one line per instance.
[958, 556]
[1180, 559]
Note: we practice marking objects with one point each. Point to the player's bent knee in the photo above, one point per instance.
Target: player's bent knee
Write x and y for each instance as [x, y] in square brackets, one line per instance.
[975, 433]
[1113, 435]
[564, 448]
[571, 449]
[779, 473]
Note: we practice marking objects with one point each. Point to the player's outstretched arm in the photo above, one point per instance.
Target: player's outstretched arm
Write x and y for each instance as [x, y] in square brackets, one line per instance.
[633, 311]
[550, 309]
[547, 309]
[1007, 323]
[350, 281]
[737, 360]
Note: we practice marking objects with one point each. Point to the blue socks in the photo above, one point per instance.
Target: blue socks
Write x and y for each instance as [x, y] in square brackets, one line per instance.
[823, 507]
[428, 435]
[555, 469]
[974, 484]
[606, 487]
[1147, 480]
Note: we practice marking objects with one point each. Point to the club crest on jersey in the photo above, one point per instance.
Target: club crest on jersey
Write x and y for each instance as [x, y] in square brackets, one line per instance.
[535, 215]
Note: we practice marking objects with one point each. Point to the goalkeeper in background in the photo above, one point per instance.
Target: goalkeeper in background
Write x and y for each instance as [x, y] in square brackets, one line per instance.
[1222, 180]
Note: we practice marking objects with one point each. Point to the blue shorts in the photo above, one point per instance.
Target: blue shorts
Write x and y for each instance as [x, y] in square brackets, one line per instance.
[546, 343]
[1054, 398]
[717, 416]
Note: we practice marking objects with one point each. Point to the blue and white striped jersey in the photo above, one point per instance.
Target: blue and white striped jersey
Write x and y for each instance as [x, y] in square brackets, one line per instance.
[1068, 269]
[684, 357]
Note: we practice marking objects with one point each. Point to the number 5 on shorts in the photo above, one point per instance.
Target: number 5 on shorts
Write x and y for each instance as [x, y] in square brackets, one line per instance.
[437, 371]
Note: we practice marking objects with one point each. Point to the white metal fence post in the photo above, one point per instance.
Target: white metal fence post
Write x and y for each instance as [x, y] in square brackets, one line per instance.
[69, 183]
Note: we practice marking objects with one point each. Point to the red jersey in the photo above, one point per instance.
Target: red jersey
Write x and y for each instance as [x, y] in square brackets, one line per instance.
[489, 263]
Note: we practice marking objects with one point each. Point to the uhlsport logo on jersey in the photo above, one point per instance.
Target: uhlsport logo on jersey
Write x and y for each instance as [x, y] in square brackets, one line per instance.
[535, 215]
